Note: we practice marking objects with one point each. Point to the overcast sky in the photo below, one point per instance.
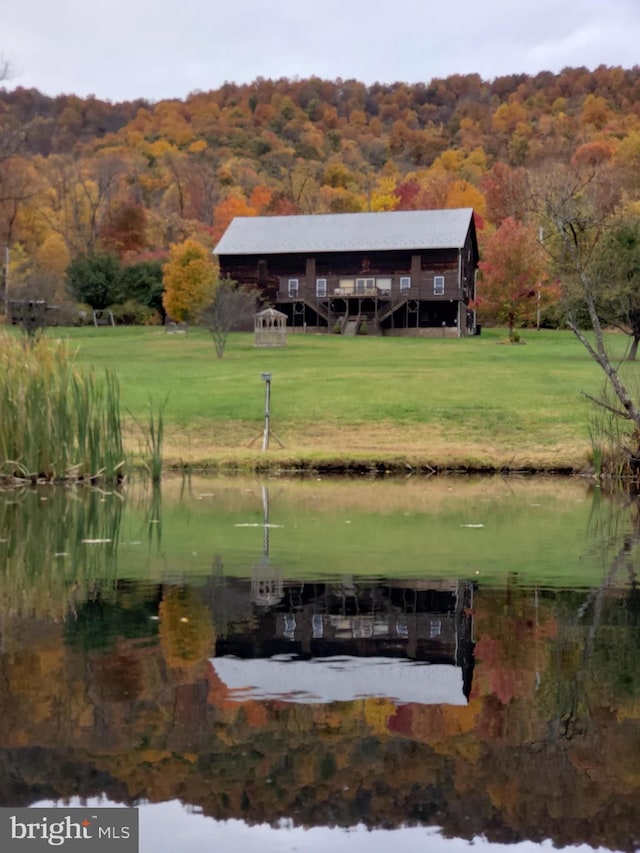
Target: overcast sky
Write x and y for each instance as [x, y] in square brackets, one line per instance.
[155, 49]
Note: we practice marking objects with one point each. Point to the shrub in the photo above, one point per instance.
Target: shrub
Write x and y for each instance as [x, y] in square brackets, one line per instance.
[132, 313]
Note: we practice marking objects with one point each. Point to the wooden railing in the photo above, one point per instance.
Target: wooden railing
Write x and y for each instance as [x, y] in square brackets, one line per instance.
[422, 291]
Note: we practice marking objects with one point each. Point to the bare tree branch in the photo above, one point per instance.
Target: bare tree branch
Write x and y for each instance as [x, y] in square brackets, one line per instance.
[232, 305]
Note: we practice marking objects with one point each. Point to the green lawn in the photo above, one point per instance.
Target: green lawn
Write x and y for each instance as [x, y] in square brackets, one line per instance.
[473, 401]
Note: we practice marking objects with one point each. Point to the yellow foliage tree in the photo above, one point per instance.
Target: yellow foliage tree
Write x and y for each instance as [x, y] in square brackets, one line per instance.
[383, 196]
[53, 259]
[464, 194]
[189, 281]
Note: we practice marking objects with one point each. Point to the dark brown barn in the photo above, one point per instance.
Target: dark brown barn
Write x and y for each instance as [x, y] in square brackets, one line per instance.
[401, 272]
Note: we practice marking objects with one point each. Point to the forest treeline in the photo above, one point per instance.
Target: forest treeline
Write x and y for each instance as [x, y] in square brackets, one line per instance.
[80, 176]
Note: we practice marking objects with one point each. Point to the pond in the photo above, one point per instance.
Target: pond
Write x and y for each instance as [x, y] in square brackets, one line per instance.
[318, 664]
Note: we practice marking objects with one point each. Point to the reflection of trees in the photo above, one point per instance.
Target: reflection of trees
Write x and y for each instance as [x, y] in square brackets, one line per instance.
[614, 533]
[152, 717]
[598, 641]
[545, 748]
[55, 543]
[186, 628]
[128, 612]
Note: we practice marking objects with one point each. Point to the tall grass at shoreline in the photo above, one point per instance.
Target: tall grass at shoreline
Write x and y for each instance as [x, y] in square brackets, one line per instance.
[152, 438]
[57, 422]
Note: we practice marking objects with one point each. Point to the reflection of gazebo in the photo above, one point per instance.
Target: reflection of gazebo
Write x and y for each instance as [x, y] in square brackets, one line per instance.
[266, 580]
[266, 584]
[270, 328]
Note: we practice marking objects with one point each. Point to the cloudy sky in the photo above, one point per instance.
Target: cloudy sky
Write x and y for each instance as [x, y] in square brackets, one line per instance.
[123, 49]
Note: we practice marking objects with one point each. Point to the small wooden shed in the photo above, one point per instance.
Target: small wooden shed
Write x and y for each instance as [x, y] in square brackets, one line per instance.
[270, 328]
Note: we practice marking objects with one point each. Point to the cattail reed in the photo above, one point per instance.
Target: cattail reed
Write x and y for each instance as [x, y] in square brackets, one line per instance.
[56, 422]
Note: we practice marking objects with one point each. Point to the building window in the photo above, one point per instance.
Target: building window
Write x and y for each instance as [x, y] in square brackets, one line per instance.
[405, 282]
[438, 285]
[293, 287]
[347, 286]
[289, 626]
[365, 285]
[321, 287]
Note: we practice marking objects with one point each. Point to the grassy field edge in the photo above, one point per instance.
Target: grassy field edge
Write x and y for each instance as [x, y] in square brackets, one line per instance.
[358, 404]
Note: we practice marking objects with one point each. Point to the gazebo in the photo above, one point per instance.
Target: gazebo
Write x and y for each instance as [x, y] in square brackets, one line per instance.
[270, 328]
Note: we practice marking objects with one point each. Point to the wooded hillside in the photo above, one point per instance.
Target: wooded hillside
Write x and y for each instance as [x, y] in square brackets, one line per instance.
[79, 176]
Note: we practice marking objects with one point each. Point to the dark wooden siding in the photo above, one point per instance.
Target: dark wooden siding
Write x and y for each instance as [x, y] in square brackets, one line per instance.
[271, 274]
[266, 272]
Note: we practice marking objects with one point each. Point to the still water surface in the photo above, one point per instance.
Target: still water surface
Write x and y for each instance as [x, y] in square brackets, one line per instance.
[327, 665]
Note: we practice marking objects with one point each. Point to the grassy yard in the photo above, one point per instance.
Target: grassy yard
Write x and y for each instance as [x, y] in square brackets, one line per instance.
[470, 402]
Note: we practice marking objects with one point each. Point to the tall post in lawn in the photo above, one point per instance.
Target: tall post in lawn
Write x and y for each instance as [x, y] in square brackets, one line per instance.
[266, 377]
[267, 432]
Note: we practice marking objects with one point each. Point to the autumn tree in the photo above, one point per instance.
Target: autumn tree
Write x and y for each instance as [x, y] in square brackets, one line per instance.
[51, 262]
[18, 185]
[231, 206]
[617, 266]
[512, 274]
[232, 306]
[506, 192]
[189, 281]
[578, 202]
[202, 187]
[78, 196]
[124, 229]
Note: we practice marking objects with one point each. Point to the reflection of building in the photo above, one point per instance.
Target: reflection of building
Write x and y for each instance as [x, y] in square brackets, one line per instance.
[371, 623]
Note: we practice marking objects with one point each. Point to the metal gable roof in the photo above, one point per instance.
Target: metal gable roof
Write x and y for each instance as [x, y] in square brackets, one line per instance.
[346, 232]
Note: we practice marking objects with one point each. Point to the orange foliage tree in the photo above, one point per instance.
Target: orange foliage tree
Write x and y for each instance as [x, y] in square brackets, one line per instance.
[228, 209]
[189, 281]
[512, 274]
[124, 229]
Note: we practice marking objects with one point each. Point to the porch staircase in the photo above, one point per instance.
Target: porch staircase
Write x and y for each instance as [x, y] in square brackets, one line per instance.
[391, 305]
[351, 324]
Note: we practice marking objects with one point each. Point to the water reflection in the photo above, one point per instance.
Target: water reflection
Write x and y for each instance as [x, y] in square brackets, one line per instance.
[186, 651]
[326, 642]
[55, 545]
